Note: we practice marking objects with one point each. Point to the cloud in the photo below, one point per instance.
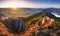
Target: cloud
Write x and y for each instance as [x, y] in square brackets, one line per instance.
[16, 3]
[11, 3]
[26, 3]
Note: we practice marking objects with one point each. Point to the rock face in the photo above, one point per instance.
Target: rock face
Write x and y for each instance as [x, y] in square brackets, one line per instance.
[15, 25]
[1, 15]
[47, 21]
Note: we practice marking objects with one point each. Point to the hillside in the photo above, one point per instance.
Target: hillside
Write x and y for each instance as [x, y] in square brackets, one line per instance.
[43, 23]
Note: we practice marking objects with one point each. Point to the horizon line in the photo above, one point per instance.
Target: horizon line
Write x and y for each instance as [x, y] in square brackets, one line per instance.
[30, 7]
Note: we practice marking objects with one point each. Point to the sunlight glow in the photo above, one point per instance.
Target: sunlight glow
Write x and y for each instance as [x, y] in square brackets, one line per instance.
[17, 4]
[12, 4]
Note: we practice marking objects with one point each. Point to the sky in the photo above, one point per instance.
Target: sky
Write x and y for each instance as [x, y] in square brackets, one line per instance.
[30, 3]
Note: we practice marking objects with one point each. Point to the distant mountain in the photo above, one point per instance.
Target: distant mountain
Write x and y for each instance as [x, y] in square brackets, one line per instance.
[21, 12]
[26, 12]
[53, 11]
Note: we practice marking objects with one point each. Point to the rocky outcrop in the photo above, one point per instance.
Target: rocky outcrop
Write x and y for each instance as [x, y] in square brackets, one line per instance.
[46, 21]
[15, 25]
[1, 15]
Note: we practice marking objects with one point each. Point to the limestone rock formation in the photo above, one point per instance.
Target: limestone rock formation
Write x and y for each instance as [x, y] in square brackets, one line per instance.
[15, 25]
